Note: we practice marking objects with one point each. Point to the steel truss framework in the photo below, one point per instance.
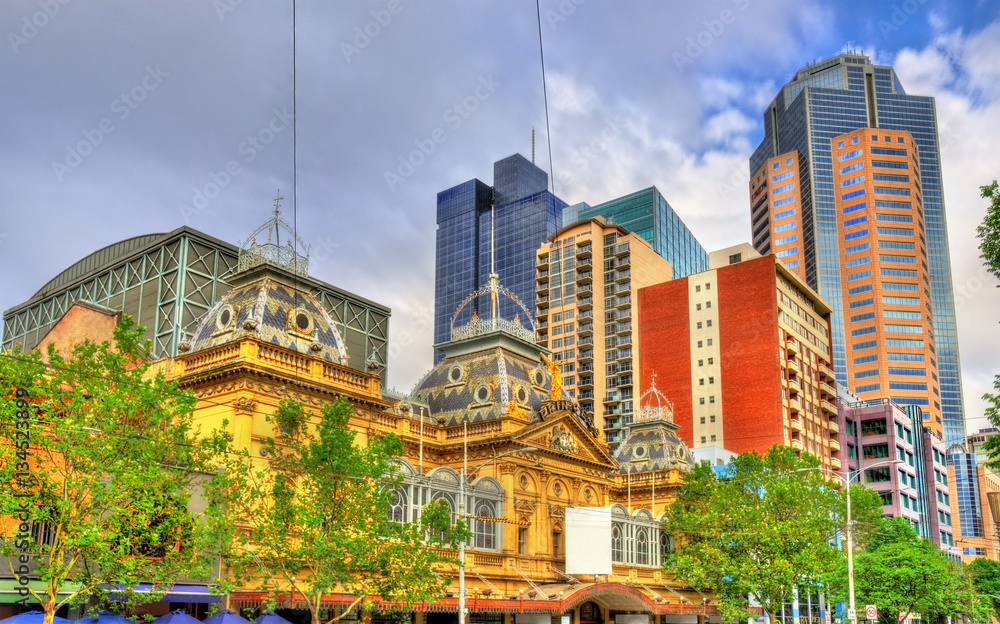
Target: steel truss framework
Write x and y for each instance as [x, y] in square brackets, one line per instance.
[166, 283]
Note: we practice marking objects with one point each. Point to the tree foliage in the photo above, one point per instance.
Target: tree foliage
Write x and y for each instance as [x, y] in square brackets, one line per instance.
[903, 574]
[989, 245]
[768, 523]
[985, 576]
[97, 469]
[313, 516]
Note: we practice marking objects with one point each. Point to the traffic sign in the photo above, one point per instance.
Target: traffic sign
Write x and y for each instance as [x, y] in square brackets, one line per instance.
[871, 612]
[852, 614]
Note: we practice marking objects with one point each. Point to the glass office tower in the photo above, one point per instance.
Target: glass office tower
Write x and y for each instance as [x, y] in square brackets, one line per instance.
[835, 97]
[480, 226]
[648, 214]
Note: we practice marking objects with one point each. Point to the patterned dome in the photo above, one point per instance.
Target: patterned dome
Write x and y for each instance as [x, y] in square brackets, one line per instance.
[651, 442]
[482, 384]
[274, 312]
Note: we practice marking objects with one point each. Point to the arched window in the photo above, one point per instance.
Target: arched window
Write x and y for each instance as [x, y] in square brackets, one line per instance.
[641, 547]
[666, 544]
[617, 551]
[397, 506]
[485, 531]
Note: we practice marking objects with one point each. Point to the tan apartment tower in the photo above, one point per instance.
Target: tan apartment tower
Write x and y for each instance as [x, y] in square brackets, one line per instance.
[743, 351]
[776, 217]
[884, 274]
[587, 278]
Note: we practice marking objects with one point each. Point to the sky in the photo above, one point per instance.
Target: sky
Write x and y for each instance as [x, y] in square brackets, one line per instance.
[121, 118]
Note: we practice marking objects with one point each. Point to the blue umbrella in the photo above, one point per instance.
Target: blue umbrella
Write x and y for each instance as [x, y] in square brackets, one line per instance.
[103, 617]
[270, 618]
[176, 617]
[226, 617]
[33, 617]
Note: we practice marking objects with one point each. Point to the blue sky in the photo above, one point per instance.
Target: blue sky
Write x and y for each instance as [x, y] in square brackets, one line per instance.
[677, 88]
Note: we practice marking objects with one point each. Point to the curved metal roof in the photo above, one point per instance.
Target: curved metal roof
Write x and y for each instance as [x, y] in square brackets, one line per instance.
[99, 258]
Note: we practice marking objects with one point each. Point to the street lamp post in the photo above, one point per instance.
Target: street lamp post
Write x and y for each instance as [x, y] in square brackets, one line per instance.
[465, 474]
[850, 535]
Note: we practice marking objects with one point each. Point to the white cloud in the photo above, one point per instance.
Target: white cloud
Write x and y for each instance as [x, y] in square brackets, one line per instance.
[567, 95]
[959, 70]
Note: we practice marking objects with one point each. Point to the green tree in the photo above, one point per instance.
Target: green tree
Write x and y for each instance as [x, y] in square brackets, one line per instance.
[903, 574]
[314, 516]
[97, 469]
[759, 529]
[985, 575]
[989, 245]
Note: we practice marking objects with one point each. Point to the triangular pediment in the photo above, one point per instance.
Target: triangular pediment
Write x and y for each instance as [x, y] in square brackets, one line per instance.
[560, 431]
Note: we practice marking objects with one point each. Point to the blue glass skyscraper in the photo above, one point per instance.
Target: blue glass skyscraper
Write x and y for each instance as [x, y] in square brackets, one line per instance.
[648, 214]
[833, 97]
[502, 226]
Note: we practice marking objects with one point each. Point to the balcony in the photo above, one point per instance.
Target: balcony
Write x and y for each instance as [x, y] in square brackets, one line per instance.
[586, 355]
[828, 390]
[624, 262]
[542, 262]
[834, 461]
[829, 408]
[612, 423]
[623, 276]
[585, 289]
[795, 407]
[584, 276]
[624, 354]
[585, 328]
[542, 301]
[834, 427]
[623, 301]
[621, 249]
[586, 394]
[586, 314]
[542, 274]
[543, 288]
[625, 381]
[794, 387]
[834, 444]
[793, 367]
[796, 424]
[797, 444]
[585, 368]
[827, 372]
[583, 251]
[623, 327]
[792, 349]
[624, 314]
[612, 397]
[586, 381]
[586, 340]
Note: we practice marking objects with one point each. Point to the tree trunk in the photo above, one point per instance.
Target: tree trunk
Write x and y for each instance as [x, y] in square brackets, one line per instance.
[49, 607]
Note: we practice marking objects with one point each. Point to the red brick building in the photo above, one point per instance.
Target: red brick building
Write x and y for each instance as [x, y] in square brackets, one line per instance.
[743, 351]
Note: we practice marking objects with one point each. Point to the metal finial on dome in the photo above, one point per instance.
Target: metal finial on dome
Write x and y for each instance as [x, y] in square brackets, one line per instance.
[663, 410]
[478, 325]
[253, 253]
